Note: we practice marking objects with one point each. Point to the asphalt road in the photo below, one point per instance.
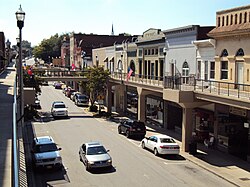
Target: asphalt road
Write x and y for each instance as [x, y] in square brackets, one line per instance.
[132, 166]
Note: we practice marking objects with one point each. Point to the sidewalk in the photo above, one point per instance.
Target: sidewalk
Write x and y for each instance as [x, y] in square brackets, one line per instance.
[7, 79]
[228, 167]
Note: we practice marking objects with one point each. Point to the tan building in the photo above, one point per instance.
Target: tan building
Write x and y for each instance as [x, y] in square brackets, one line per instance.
[232, 35]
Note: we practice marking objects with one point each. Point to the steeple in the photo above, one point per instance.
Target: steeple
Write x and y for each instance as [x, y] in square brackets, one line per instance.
[112, 31]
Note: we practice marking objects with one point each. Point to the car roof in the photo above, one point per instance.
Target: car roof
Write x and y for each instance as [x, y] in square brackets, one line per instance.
[93, 144]
[43, 140]
[58, 102]
[161, 136]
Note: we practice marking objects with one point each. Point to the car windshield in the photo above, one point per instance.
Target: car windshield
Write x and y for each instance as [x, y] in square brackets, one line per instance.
[45, 148]
[83, 97]
[60, 106]
[96, 150]
[167, 140]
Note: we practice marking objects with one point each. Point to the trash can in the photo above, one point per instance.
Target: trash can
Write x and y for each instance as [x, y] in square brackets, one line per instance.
[192, 148]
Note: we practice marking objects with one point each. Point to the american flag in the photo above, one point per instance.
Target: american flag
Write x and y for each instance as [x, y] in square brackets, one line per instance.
[129, 74]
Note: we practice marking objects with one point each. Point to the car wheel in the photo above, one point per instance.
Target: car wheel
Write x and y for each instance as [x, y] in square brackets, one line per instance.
[127, 134]
[143, 145]
[155, 152]
[87, 167]
[119, 130]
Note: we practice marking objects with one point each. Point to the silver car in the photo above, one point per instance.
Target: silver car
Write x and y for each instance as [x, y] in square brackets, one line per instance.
[94, 155]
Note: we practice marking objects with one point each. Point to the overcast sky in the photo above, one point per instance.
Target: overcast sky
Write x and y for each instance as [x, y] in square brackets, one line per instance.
[45, 18]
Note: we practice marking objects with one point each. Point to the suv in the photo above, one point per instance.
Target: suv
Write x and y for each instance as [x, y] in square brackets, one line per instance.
[59, 109]
[81, 100]
[45, 153]
[132, 128]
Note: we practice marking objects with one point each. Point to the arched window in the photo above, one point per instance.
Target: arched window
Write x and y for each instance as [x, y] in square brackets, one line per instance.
[240, 21]
[218, 21]
[245, 17]
[185, 72]
[222, 21]
[235, 18]
[224, 53]
[231, 19]
[132, 66]
[227, 20]
[240, 52]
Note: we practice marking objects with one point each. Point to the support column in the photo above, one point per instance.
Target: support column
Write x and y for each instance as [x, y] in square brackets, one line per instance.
[165, 114]
[109, 98]
[141, 105]
[216, 123]
[187, 128]
[125, 100]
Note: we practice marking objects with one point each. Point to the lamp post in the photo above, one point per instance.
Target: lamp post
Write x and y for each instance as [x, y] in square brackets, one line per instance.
[164, 66]
[8, 51]
[97, 61]
[20, 15]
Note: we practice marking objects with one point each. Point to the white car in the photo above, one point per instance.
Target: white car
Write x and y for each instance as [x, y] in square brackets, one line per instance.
[45, 153]
[161, 144]
[59, 109]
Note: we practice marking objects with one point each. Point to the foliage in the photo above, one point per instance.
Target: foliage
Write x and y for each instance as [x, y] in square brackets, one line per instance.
[31, 80]
[49, 48]
[97, 82]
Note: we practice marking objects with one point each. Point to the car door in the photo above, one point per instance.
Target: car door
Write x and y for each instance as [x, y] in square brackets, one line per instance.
[150, 143]
[83, 153]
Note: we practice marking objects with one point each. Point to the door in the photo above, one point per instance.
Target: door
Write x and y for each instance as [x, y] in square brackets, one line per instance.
[152, 70]
[239, 74]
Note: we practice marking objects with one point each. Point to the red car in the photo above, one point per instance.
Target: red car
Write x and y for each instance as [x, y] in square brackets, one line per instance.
[69, 92]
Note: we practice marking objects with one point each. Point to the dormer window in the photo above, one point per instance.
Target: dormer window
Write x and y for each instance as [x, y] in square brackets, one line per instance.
[240, 52]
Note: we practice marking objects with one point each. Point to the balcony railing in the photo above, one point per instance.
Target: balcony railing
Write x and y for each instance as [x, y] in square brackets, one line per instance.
[190, 84]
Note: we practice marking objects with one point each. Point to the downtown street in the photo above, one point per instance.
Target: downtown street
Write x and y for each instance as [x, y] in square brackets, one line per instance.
[132, 166]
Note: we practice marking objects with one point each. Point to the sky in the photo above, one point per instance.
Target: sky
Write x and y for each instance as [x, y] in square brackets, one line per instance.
[45, 18]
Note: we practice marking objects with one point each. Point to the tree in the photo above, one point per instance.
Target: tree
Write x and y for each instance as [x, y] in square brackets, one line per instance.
[49, 48]
[97, 83]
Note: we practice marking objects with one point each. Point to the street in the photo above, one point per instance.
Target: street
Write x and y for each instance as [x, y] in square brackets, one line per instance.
[132, 166]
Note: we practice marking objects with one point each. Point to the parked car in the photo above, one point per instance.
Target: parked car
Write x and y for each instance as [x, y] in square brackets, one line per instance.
[72, 96]
[58, 85]
[132, 128]
[94, 155]
[45, 153]
[161, 144]
[58, 109]
[69, 92]
[81, 100]
[65, 89]
[37, 104]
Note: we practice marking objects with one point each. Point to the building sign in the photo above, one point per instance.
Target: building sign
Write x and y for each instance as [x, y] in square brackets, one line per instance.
[238, 111]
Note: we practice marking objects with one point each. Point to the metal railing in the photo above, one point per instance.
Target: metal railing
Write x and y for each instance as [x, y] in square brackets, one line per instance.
[15, 155]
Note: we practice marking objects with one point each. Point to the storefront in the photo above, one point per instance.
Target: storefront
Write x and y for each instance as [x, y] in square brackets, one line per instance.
[154, 110]
[132, 103]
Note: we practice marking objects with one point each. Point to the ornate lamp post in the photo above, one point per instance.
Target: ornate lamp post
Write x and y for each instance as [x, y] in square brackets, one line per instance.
[20, 15]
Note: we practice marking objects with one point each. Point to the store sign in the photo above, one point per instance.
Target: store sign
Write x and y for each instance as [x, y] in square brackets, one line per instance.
[238, 111]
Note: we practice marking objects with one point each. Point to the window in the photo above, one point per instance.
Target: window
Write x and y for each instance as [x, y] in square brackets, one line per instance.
[153, 51]
[240, 21]
[145, 51]
[218, 21]
[206, 70]
[161, 51]
[247, 74]
[156, 51]
[224, 70]
[224, 53]
[240, 52]
[148, 51]
[199, 70]
[227, 21]
[235, 18]
[231, 20]
[245, 17]
[222, 21]
[185, 72]
[140, 52]
[212, 70]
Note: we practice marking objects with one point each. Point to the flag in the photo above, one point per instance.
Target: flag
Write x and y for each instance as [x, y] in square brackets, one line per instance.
[129, 74]
[73, 67]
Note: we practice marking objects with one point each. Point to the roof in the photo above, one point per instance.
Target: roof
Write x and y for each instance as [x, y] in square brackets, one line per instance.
[43, 140]
[161, 136]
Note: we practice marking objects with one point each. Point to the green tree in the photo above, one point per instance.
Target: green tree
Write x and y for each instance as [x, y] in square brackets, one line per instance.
[49, 48]
[97, 82]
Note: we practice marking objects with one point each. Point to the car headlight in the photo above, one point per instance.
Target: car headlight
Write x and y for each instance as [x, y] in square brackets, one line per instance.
[109, 161]
[91, 162]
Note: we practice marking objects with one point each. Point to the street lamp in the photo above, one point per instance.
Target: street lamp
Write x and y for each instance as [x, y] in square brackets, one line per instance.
[97, 61]
[20, 15]
[120, 67]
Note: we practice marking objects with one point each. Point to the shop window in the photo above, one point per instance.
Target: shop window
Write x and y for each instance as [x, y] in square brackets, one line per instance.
[224, 70]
